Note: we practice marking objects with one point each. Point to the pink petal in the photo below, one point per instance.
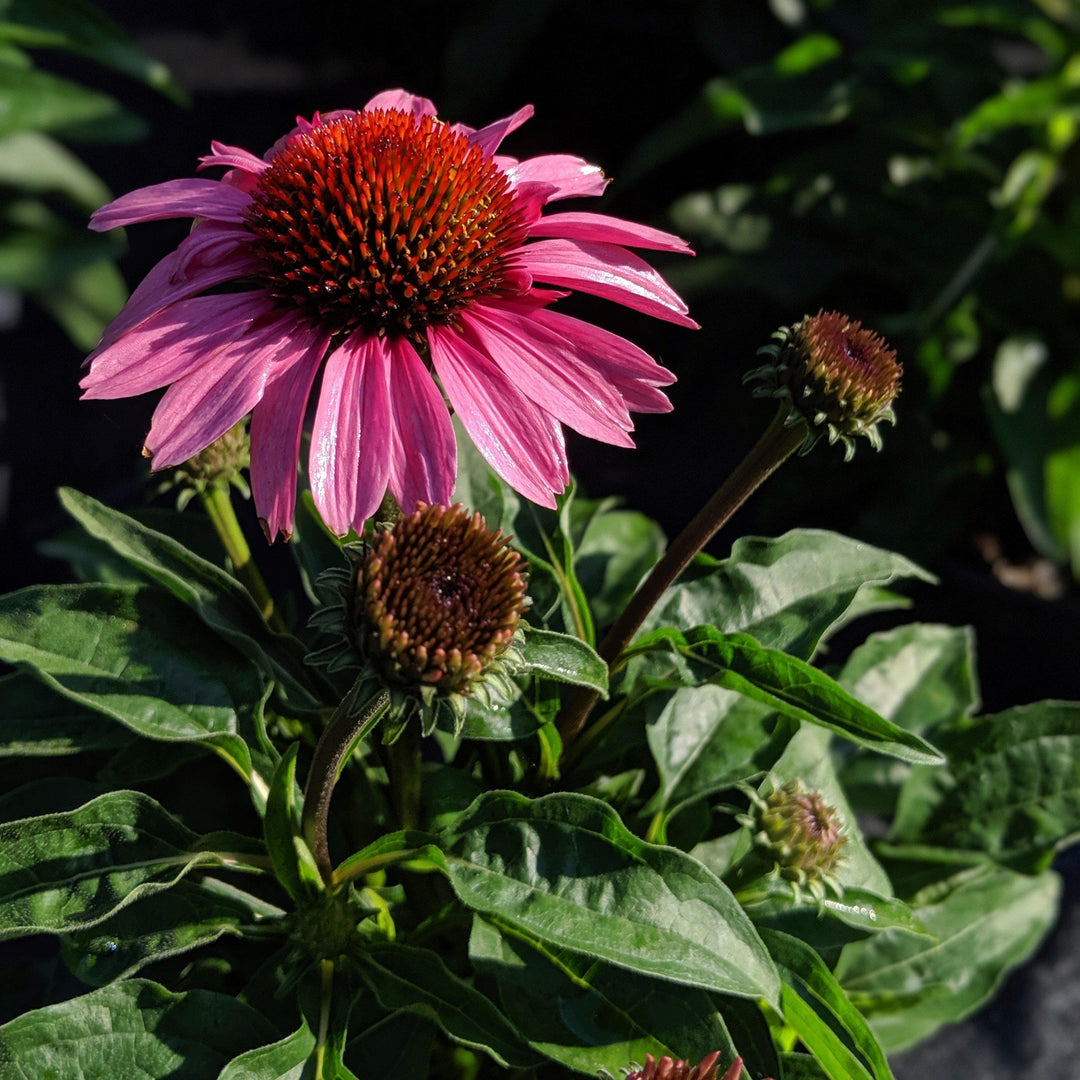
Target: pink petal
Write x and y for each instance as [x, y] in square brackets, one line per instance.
[521, 442]
[631, 370]
[211, 254]
[488, 138]
[546, 368]
[585, 226]
[376, 438]
[605, 270]
[171, 344]
[276, 427]
[402, 101]
[423, 461]
[234, 157]
[202, 406]
[197, 197]
[335, 441]
[570, 176]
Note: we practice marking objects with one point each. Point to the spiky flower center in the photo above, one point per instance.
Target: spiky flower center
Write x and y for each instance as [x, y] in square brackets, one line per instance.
[804, 833]
[440, 597]
[384, 222]
[668, 1069]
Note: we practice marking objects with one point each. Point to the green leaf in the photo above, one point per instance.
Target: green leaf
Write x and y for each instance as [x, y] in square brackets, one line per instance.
[565, 870]
[565, 658]
[83, 28]
[38, 721]
[85, 301]
[138, 656]
[64, 872]
[1012, 788]
[825, 1020]
[283, 1060]
[397, 1046]
[189, 914]
[782, 682]
[32, 161]
[281, 828]
[985, 921]
[479, 488]
[605, 1017]
[130, 1031]
[787, 593]
[406, 977]
[216, 597]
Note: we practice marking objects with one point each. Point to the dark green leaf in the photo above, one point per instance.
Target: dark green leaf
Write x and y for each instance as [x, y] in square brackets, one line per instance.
[35, 720]
[787, 593]
[281, 828]
[825, 1020]
[190, 914]
[144, 760]
[565, 658]
[406, 977]
[779, 681]
[31, 161]
[85, 302]
[130, 1031]
[397, 1046]
[984, 921]
[63, 872]
[216, 597]
[604, 1017]
[565, 869]
[287, 1059]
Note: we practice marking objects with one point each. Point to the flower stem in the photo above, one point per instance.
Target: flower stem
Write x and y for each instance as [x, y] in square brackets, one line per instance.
[326, 978]
[342, 733]
[219, 508]
[405, 778]
[774, 447]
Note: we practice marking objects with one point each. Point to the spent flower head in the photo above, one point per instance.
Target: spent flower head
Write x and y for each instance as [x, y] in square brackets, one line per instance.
[432, 608]
[837, 376]
[398, 263]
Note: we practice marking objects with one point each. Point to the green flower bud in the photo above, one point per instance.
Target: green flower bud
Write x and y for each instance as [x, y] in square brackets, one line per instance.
[838, 377]
[221, 462]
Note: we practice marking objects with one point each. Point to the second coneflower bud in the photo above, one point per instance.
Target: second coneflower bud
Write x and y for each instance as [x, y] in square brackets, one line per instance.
[839, 377]
[668, 1069]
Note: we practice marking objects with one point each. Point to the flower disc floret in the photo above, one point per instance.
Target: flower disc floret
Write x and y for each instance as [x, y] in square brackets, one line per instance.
[439, 599]
[380, 222]
[839, 377]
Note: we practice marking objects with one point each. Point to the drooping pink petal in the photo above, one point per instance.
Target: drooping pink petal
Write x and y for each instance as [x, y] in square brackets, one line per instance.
[488, 138]
[202, 406]
[211, 254]
[578, 225]
[373, 454]
[521, 442]
[546, 368]
[530, 198]
[276, 426]
[171, 344]
[403, 102]
[629, 368]
[423, 460]
[335, 441]
[570, 176]
[233, 157]
[197, 197]
[605, 270]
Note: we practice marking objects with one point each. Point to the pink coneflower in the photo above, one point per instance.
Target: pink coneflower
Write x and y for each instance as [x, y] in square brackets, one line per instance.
[384, 250]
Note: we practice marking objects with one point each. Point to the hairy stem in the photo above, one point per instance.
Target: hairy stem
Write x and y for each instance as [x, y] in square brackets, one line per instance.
[773, 448]
[342, 733]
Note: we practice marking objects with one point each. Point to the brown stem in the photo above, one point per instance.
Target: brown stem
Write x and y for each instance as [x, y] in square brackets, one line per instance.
[774, 447]
[405, 764]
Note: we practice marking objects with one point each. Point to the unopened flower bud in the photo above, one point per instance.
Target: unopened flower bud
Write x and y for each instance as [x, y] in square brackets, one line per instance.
[803, 835]
[220, 462]
[838, 377]
[668, 1069]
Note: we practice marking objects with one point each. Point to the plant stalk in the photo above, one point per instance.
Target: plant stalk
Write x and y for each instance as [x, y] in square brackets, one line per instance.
[405, 762]
[774, 447]
[342, 733]
[218, 505]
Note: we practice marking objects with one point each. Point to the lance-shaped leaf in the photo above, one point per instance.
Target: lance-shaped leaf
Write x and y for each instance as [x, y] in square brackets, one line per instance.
[704, 655]
[406, 977]
[588, 1015]
[282, 1060]
[398, 1046]
[131, 1031]
[825, 1020]
[565, 870]
[984, 921]
[787, 592]
[565, 658]
[138, 656]
[218, 599]
[63, 872]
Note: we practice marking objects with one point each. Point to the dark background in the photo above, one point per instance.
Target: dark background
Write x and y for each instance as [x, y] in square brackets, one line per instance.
[601, 75]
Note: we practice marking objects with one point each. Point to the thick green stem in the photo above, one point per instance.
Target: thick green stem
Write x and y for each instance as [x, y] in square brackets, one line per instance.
[773, 448]
[405, 777]
[342, 733]
[219, 508]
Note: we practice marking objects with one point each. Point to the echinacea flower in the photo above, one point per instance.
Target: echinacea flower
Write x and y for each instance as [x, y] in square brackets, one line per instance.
[396, 259]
